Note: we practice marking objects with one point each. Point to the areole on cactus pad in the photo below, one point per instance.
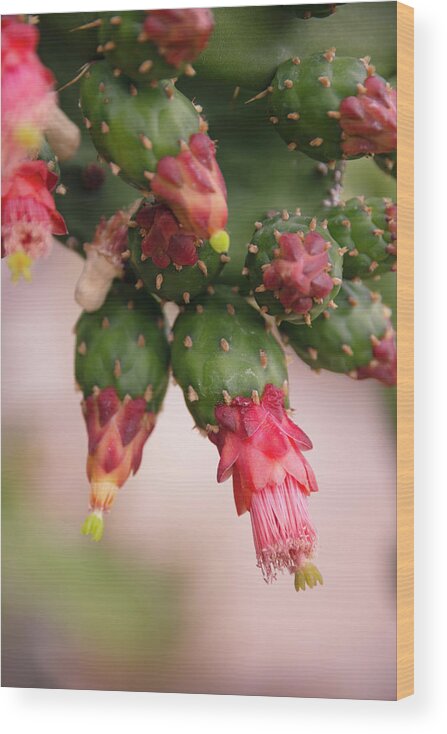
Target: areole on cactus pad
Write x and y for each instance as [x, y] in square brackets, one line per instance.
[332, 107]
[121, 366]
[357, 338]
[294, 267]
[234, 378]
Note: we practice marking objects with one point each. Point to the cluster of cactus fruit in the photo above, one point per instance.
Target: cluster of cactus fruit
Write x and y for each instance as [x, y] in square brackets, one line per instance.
[307, 281]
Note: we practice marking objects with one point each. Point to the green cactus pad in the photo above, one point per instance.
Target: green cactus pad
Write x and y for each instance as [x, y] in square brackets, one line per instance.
[123, 345]
[304, 92]
[133, 127]
[123, 44]
[367, 228]
[261, 253]
[342, 340]
[171, 283]
[223, 344]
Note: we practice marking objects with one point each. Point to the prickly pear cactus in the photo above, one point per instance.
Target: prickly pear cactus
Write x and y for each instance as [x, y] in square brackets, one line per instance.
[294, 267]
[150, 46]
[123, 167]
[135, 127]
[367, 230]
[171, 263]
[221, 347]
[121, 366]
[356, 338]
[332, 107]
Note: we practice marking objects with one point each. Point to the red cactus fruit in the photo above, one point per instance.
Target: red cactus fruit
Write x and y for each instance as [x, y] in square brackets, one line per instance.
[193, 187]
[181, 35]
[164, 241]
[29, 216]
[298, 274]
[261, 448]
[369, 120]
[117, 431]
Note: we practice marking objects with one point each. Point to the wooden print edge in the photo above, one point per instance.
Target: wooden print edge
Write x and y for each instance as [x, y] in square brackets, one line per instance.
[405, 287]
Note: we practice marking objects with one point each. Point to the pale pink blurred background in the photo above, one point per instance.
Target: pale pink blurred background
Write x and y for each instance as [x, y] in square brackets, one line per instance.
[171, 600]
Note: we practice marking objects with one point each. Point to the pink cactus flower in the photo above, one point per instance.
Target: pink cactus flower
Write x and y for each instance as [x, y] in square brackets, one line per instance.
[29, 216]
[261, 448]
[164, 241]
[369, 120]
[192, 185]
[181, 35]
[117, 431]
[28, 97]
[298, 274]
[383, 366]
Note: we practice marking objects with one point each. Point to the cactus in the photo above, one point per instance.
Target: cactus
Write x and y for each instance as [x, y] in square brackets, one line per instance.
[357, 338]
[121, 366]
[134, 127]
[332, 107]
[172, 264]
[234, 379]
[294, 267]
[154, 138]
[140, 135]
[367, 228]
[154, 45]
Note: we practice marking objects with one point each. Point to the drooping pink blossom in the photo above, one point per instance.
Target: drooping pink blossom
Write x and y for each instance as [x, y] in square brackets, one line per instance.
[261, 448]
[29, 216]
[369, 120]
[298, 273]
[181, 34]
[192, 185]
[28, 96]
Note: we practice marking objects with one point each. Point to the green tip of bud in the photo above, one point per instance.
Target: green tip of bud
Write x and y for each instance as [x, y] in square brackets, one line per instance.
[308, 574]
[220, 241]
[94, 526]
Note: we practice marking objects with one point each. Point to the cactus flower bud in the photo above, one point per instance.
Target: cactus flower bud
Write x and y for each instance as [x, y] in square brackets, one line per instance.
[122, 361]
[28, 99]
[383, 366]
[181, 34]
[299, 271]
[369, 120]
[29, 216]
[261, 448]
[117, 431]
[164, 241]
[192, 184]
